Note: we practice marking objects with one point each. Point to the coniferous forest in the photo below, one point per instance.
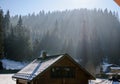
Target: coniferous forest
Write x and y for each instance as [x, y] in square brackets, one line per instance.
[91, 37]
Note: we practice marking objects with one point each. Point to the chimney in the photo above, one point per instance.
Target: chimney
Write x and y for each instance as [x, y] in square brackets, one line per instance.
[44, 54]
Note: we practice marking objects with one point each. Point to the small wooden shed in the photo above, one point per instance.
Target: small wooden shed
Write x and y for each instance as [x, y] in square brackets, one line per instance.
[57, 69]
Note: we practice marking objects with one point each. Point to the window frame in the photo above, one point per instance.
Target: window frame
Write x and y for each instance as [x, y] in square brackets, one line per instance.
[62, 72]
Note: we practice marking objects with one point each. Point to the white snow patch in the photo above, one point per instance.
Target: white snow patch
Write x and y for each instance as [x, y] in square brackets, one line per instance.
[112, 66]
[12, 65]
[6, 79]
[102, 81]
[105, 66]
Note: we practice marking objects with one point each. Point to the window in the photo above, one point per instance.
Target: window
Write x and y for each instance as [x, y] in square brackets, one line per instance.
[62, 72]
[28, 82]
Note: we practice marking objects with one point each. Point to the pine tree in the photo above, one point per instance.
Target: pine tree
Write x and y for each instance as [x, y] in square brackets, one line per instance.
[18, 45]
[7, 24]
[84, 46]
[1, 34]
[6, 29]
[20, 23]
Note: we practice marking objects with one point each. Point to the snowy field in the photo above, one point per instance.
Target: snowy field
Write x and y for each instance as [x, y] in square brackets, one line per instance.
[6, 79]
[10, 65]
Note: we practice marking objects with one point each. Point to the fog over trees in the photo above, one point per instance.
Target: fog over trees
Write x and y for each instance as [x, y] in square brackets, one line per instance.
[89, 36]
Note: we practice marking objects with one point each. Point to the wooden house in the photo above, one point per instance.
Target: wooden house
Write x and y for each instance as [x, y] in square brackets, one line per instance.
[115, 69]
[57, 69]
[114, 72]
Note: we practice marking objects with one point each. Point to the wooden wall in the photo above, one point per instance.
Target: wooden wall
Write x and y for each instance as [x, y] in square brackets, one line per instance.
[80, 76]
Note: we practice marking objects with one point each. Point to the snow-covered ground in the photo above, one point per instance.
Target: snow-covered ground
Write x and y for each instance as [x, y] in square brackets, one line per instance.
[6, 79]
[12, 65]
[102, 81]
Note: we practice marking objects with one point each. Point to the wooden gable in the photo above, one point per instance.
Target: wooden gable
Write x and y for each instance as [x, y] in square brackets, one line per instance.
[81, 75]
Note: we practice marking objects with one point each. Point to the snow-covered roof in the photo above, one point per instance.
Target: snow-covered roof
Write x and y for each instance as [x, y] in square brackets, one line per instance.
[112, 73]
[115, 68]
[36, 67]
[103, 81]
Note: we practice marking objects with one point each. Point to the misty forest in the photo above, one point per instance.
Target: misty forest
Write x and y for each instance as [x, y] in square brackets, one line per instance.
[91, 37]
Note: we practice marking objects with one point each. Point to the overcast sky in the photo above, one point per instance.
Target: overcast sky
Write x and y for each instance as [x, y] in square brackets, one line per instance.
[24, 7]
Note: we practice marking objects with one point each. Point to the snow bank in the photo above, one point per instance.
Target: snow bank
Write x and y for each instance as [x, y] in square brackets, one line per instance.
[12, 65]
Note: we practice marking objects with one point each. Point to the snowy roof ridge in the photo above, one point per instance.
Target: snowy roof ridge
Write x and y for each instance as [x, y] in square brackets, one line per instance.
[36, 67]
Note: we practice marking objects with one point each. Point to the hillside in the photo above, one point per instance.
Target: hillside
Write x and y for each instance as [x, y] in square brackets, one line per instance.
[90, 36]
